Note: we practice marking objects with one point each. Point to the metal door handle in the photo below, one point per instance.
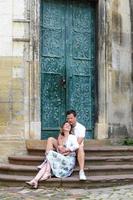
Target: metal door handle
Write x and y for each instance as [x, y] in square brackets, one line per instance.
[63, 82]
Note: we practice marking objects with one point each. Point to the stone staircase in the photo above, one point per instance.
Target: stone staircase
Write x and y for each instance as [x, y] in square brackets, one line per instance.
[104, 166]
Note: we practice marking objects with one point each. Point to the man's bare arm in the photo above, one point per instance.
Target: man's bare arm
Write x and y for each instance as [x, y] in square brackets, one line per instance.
[80, 140]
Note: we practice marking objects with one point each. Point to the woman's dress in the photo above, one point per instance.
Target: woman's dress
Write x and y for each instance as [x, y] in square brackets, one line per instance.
[62, 166]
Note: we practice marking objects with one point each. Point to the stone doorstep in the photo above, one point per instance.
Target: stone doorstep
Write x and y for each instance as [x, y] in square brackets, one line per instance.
[26, 158]
[41, 144]
[36, 158]
[92, 161]
[37, 147]
[96, 170]
[90, 149]
[69, 182]
[93, 181]
[73, 181]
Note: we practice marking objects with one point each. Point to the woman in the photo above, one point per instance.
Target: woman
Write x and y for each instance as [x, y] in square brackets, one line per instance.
[62, 162]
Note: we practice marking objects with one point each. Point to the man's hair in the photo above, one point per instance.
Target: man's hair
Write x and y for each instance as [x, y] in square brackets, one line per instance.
[71, 112]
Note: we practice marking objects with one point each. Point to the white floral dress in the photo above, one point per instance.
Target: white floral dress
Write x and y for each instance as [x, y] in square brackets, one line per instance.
[62, 166]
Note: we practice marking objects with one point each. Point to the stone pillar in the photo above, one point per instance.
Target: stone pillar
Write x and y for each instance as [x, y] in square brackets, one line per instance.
[32, 122]
[101, 126]
[120, 84]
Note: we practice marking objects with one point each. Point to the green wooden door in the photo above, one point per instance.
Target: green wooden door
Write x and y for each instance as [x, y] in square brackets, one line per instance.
[67, 54]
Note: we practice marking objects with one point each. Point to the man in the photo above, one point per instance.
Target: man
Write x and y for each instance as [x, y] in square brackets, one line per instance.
[79, 131]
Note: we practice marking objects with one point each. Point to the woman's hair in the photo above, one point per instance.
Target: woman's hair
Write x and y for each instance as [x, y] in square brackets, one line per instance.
[62, 133]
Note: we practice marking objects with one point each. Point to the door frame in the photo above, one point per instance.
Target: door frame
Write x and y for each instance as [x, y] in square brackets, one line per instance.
[33, 121]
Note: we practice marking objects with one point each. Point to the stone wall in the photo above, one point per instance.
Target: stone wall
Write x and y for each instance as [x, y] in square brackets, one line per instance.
[119, 98]
[131, 9]
[14, 46]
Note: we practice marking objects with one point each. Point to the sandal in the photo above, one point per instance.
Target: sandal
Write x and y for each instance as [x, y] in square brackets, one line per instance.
[32, 183]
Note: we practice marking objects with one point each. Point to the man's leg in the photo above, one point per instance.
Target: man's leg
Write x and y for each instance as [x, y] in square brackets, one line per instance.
[81, 157]
[81, 161]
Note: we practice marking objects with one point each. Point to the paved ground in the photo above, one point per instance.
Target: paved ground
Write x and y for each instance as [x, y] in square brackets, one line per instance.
[20, 193]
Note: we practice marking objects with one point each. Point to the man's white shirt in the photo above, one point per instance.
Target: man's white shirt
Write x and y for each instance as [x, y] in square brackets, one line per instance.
[79, 130]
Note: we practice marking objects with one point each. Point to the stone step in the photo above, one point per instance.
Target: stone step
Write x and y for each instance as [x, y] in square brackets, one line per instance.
[69, 182]
[92, 160]
[92, 151]
[104, 166]
[90, 171]
[18, 169]
[41, 144]
[106, 160]
[109, 151]
[26, 160]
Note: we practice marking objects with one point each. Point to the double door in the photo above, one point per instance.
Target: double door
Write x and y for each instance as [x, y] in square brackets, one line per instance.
[67, 56]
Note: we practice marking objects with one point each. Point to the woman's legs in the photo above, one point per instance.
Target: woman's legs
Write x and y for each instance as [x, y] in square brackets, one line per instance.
[51, 144]
[47, 173]
[43, 174]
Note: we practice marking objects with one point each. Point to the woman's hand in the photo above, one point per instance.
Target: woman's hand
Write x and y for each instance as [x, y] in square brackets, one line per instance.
[61, 149]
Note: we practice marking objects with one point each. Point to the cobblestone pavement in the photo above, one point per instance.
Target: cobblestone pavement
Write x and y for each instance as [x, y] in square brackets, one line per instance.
[113, 193]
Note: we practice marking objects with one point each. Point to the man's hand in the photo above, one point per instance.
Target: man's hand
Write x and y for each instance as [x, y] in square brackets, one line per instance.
[63, 150]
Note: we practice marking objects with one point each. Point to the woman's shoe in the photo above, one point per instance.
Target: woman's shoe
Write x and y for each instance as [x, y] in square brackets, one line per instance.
[35, 186]
[32, 183]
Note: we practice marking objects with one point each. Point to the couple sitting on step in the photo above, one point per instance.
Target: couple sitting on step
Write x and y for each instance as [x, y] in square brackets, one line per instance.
[61, 152]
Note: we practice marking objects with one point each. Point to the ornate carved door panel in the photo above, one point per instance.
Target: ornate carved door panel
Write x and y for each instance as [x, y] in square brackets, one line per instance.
[52, 66]
[67, 63]
[81, 65]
